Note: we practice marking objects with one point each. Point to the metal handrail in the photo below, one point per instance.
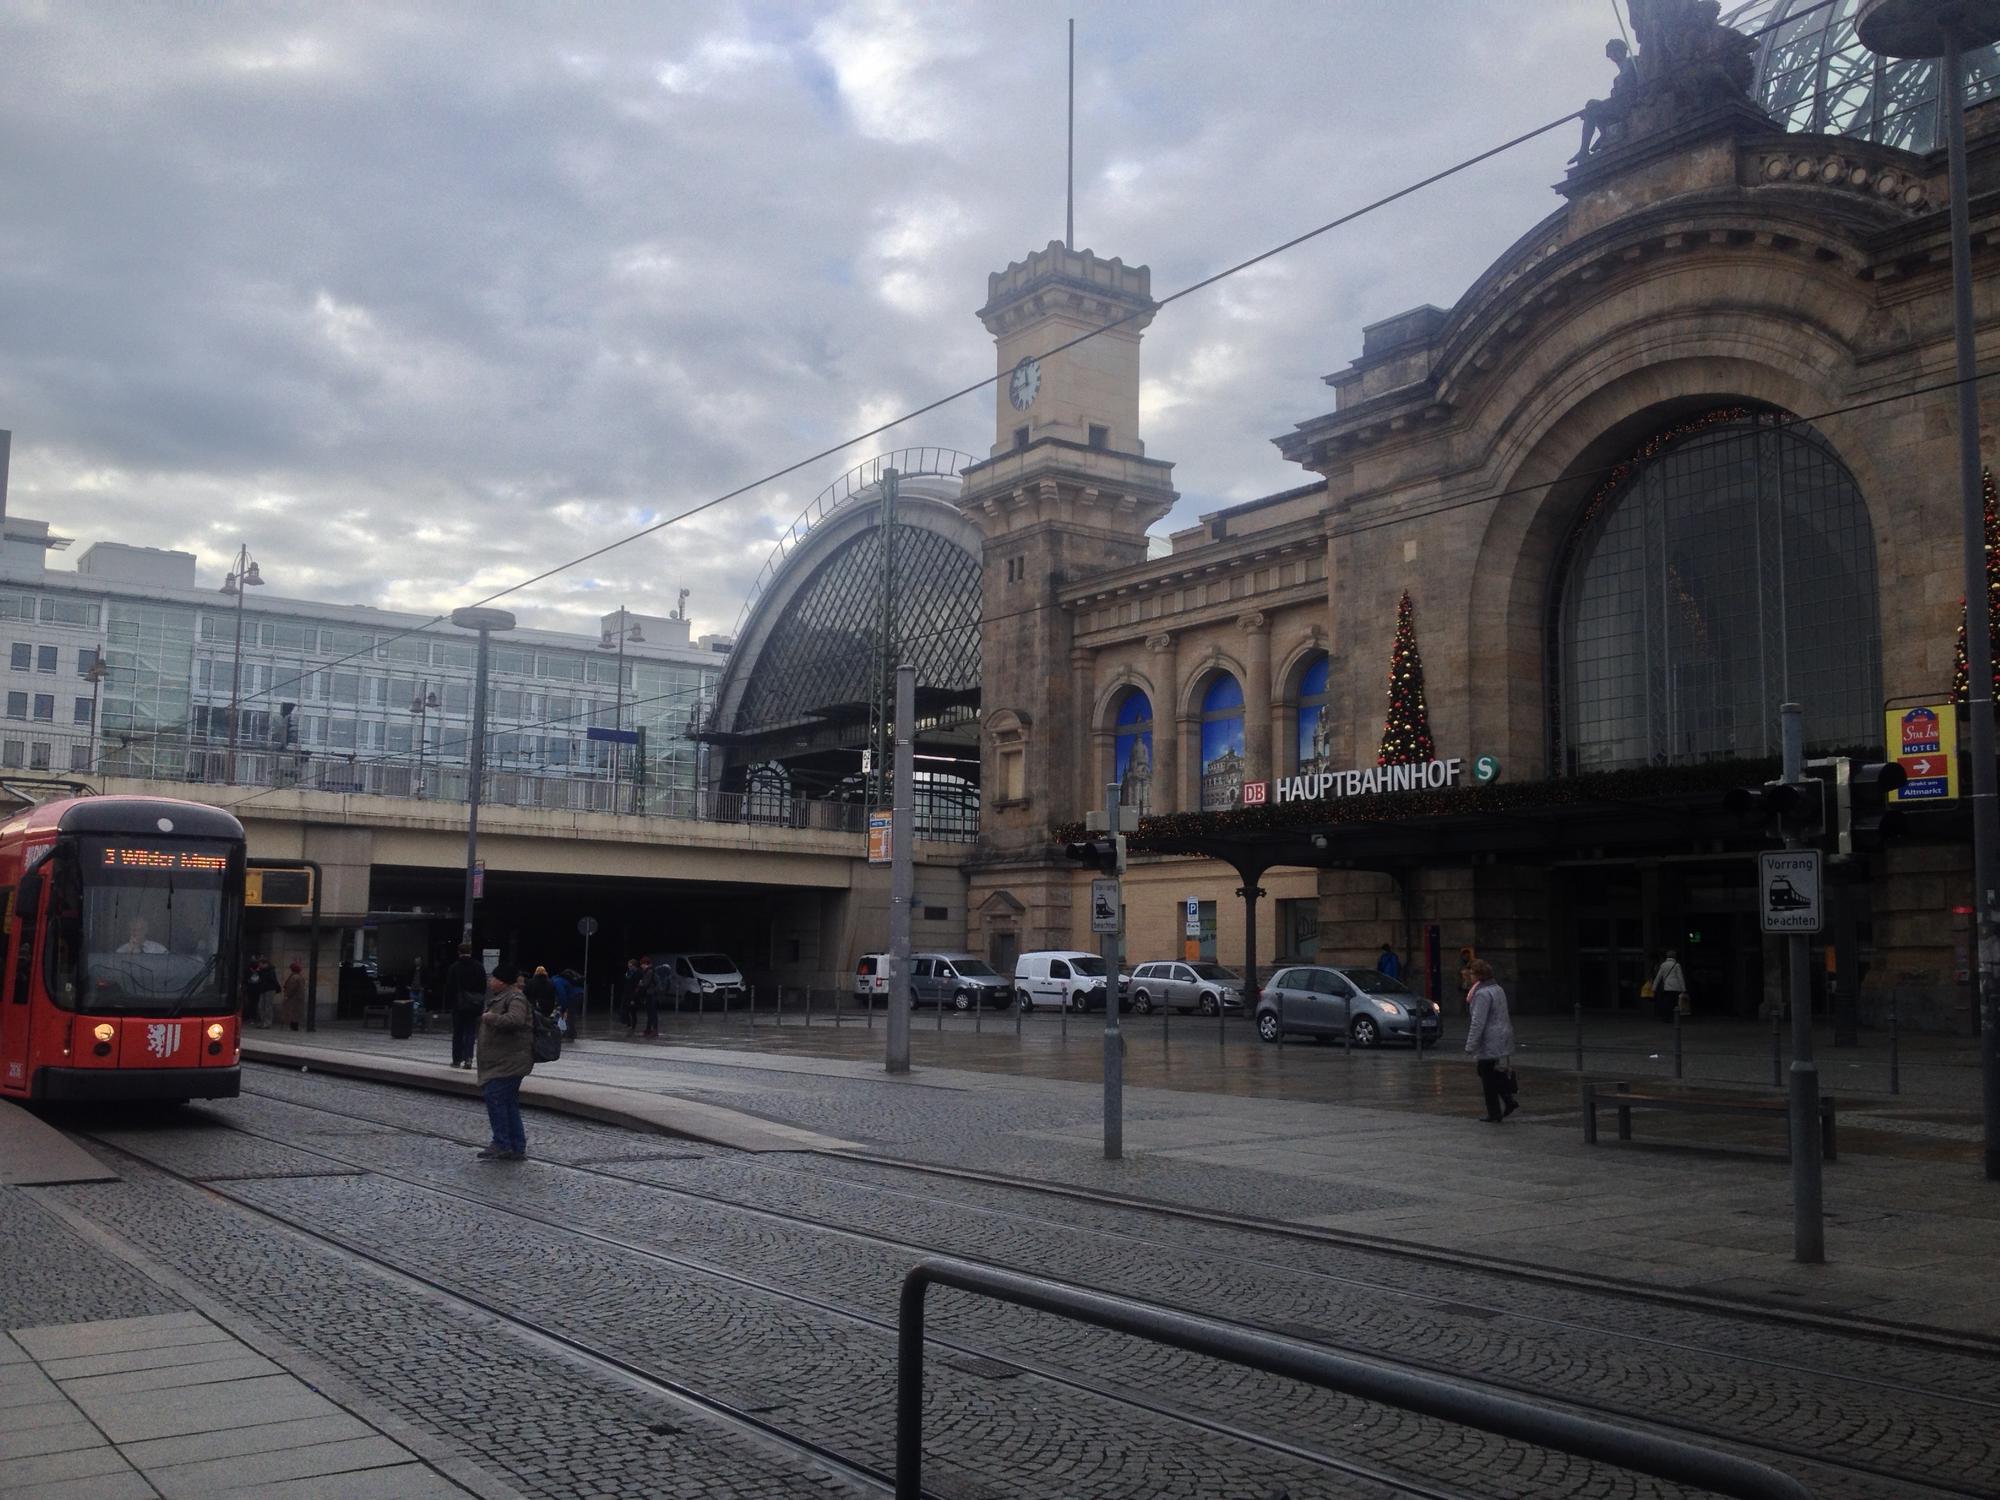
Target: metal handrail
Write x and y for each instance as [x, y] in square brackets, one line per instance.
[1370, 1380]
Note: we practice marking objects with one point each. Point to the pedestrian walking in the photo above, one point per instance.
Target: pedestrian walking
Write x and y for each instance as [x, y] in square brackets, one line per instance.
[1387, 962]
[628, 995]
[1490, 1039]
[650, 979]
[541, 991]
[295, 995]
[251, 975]
[506, 1051]
[266, 985]
[465, 990]
[569, 998]
[1669, 989]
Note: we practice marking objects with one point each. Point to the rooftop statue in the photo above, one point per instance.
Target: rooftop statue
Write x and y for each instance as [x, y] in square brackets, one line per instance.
[1688, 62]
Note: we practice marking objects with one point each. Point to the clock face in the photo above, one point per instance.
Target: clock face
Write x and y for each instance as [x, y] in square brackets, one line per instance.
[1024, 383]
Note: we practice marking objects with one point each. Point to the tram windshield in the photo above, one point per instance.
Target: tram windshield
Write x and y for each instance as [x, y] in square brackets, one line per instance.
[155, 928]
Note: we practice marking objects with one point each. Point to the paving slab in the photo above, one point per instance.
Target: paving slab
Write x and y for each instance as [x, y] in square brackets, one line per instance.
[173, 1405]
[33, 1152]
[242, 1471]
[51, 1468]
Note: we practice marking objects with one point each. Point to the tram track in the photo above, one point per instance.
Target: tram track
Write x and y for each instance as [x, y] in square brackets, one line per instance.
[858, 1471]
[1762, 1446]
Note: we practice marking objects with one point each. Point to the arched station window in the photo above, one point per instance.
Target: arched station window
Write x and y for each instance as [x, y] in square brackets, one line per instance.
[1132, 750]
[1222, 744]
[1729, 568]
[1314, 745]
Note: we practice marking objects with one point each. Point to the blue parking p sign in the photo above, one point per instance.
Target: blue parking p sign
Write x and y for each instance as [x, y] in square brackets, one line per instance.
[1194, 916]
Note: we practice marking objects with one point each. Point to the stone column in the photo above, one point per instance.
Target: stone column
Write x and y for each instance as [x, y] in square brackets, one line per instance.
[1166, 725]
[1089, 764]
[1257, 764]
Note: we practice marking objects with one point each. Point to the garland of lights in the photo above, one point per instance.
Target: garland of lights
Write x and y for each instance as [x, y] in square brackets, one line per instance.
[1406, 732]
[1961, 674]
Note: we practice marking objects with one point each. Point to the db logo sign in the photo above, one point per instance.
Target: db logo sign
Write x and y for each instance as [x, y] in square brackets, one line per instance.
[1254, 792]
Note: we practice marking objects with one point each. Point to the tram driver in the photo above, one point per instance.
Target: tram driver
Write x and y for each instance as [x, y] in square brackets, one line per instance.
[137, 940]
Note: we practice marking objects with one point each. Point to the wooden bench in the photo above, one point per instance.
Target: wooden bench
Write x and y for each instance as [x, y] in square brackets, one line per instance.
[1624, 1098]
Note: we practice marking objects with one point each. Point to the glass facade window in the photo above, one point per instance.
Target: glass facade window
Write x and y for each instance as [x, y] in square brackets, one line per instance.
[45, 707]
[17, 705]
[86, 658]
[1132, 751]
[1313, 747]
[13, 754]
[1814, 75]
[1731, 571]
[1221, 744]
[822, 651]
[16, 606]
[60, 611]
[39, 758]
[45, 658]
[23, 658]
[80, 711]
[1298, 929]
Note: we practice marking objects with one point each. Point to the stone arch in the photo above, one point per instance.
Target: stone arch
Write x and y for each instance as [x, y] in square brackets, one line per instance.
[1560, 448]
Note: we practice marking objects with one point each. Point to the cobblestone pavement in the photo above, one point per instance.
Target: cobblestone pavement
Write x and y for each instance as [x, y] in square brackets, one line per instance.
[589, 1260]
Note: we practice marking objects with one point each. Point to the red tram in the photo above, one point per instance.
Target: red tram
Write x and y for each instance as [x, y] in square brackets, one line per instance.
[121, 970]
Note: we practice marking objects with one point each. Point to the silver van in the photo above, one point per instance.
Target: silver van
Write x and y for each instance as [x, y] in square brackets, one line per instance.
[960, 980]
[1059, 979]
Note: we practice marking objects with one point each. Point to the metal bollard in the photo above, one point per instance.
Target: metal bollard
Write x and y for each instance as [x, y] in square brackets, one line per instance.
[1677, 1043]
[1281, 1018]
[809, 1005]
[940, 1023]
[1578, 1011]
[1019, 997]
[1895, 1055]
[978, 1015]
[1062, 1010]
[1777, 1056]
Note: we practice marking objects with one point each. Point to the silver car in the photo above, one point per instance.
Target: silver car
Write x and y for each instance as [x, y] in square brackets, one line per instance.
[1363, 1005]
[1176, 985]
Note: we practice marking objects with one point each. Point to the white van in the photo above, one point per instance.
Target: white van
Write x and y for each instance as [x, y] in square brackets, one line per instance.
[1060, 978]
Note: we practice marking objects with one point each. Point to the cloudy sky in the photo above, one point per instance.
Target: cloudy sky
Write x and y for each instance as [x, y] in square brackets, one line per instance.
[420, 298]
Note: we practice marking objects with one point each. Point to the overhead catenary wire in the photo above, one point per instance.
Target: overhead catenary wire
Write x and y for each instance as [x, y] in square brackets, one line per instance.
[982, 384]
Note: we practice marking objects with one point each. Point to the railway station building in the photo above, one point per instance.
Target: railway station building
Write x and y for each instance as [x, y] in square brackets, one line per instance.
[1684, 453]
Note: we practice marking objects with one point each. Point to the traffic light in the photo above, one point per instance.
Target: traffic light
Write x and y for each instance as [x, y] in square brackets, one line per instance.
[1101, 851]
[1783, 806]
[1868, 818]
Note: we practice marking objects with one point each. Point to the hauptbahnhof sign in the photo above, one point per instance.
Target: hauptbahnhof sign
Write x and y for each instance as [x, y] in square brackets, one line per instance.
[1371, 781]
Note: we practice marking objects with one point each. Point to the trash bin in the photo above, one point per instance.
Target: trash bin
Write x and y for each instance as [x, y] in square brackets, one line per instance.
[400, 1019]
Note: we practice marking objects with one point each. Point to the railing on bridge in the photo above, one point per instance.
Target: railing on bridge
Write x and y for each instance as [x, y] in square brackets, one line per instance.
[42, 750]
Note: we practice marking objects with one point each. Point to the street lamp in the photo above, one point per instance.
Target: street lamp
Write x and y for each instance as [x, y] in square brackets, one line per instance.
[1946, 30]
[243, 575]
[485, 621]
[95, 675]
[421, 705]
[626, 631]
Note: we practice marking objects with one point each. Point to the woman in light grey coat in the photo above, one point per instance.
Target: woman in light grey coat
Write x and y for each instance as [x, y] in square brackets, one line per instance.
[1490, 1039]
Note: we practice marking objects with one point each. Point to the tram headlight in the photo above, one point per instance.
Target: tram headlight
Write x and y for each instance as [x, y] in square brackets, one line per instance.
[215, 1032]
[105, 1031]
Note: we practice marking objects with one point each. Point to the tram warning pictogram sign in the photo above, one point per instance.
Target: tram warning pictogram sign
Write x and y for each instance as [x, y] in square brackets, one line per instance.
[1788, 887]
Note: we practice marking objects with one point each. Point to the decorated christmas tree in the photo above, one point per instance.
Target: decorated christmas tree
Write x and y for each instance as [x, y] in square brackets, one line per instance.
[1960, 678]
[1406, 733]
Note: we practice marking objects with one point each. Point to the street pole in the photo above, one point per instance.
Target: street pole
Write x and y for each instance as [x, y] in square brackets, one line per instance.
[485, 621]
[1978, 640]
[236, 668]
[1111, 946]
[618, 715]
[902, 873]
[1808, 1224]
[97, 675]
[1945, 29]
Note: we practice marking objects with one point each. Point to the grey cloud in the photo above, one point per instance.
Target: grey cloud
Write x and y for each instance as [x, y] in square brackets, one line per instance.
[461, 266]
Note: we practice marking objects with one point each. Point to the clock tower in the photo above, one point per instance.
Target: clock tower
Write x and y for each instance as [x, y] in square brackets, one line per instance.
[1067, 493]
